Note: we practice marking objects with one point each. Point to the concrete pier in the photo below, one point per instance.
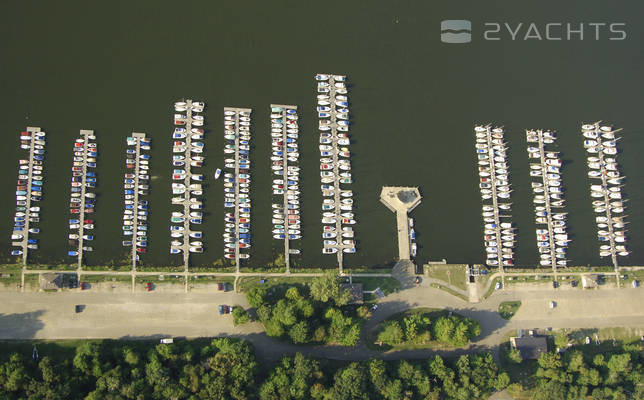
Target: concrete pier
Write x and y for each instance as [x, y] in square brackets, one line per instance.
[287, 225]
[237, 129]
[401, 200]
[23, 244]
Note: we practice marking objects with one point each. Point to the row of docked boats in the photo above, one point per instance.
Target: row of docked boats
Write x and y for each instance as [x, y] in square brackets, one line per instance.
[494, 184]
[286, 175]
[237, 239]
[28, 190]
[335, 165]
[82, 201]
[552, 238]
[413, 247]
[135, 185]
[600, 142]
[187, 150]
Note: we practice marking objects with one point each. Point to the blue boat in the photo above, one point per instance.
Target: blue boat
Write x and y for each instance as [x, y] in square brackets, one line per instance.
[23, 172]
[16, 253]
[88, 237]
[72, 253]
[36, 189]
[195, 220]
[20, 192]
[18, 229]
[245, 235]
[243, 151]
[291, 112]
[89, 205]
[130, 151]
[128, 180]
[34, 230]
[244, 209]
[92, 153]
[37, 183]
[90, 184]
[144, 156]
[88, 179]
[342, 103]
[129, 191]
[244, 225]
[142, 244]
[32, 241]
[142, 227]
[76, 190]
[39, 157]
[290, 150]
[20, 223]
[229, 204]
[74, 221]
[91, 174]
[280, 236]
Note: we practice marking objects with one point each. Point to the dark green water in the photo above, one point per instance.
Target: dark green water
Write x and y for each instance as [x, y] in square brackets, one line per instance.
[116, 67]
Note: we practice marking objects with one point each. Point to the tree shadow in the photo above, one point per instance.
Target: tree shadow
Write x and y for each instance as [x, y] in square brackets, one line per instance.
[21, 325]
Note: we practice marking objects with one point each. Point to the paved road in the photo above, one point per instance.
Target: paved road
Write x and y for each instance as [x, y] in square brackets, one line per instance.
[143, 315]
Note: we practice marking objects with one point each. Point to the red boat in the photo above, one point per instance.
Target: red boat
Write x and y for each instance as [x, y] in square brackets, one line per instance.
[89, 210]
[140, 250]
[88, 221]
[75, 211]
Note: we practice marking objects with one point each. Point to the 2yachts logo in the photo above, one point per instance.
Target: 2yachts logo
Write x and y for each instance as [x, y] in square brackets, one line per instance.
[460, 31]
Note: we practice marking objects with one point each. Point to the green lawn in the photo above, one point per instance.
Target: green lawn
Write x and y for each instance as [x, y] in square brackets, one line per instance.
[507, 309]
[246, 283]
[371, 337]
[453, 274]
[106, 278]
[156, 279]
[387, 285]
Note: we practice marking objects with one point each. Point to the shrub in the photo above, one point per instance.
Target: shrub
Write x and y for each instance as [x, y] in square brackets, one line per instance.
[240, 316]
[391, 333]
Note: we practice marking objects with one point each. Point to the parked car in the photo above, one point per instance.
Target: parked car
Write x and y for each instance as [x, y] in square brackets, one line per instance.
[148, 286]
[220, 286]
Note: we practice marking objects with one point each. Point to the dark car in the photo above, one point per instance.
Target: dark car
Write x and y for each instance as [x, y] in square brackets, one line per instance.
[79, 308]
[220, 286]
[221, 309]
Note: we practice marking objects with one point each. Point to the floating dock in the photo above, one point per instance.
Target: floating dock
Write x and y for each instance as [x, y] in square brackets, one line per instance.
[284, 133]
[495, 185]
[333, 114]
[601, 144]
[402, 201]
[237, 123]
[548, 196]
[33, 140]
[187, 127]
[138, 211]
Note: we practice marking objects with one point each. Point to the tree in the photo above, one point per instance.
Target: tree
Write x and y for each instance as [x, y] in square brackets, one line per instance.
[327, 287]
[442, 329]
[240, 316]
[285, 312]
[256, 296]
[13, 374]
[413, 325]
[514, 355]
[378, 374]
[561, 339]
[87, 359]
[350, 383]
[299, 332]
[130, 356]
[391, 333]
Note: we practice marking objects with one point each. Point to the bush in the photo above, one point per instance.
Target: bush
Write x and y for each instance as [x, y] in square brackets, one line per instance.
[391, 333]
[514, 356]
[240, 316]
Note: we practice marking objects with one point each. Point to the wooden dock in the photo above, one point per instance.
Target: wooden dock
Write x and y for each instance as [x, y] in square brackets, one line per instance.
[23, 244]
[337, 198]
[539, 134]
[85, 135]
[287, 225]
[237, 130]
[605, 184]
[489, 133]
[402, 201]
[139, 136]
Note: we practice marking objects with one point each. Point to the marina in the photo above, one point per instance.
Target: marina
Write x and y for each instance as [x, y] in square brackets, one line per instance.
[600, 142]
[552, 241]
[28, 190]
[135, 185]
[494, 185]
[187, 150]
[335, 166]
[83, 199]
[284, 164]
[237, 180]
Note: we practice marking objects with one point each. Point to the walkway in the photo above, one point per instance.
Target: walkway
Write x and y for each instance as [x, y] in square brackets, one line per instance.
[401, 200]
